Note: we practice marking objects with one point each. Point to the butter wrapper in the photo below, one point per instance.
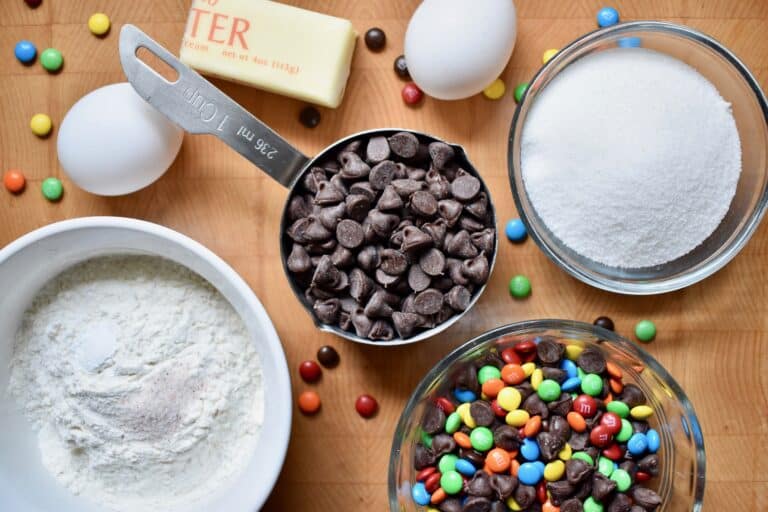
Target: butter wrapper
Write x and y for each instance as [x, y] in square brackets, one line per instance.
[271, 46]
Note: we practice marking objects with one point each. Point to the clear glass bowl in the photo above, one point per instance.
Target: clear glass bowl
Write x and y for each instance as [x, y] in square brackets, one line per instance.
[681, 479]
[737, 85]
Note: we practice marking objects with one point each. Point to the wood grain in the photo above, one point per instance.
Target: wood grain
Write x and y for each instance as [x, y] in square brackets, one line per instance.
[712, 337]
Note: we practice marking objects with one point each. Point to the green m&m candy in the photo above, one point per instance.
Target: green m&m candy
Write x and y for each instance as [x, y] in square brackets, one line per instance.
[520, 287]
[453, 422]
[622, 479]
[487, 373]
[447, 463]
[592, 384]
[51, 59]
[618, 407]
[626, 431]
[605, 465]
[645, 330]
[481, 439]
[52, 189]
[549, 390]
[585, 457]
[451, 482]
[520, 90]
[592, 505]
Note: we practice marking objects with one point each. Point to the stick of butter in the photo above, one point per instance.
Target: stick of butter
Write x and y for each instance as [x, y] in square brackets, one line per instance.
[272, 46]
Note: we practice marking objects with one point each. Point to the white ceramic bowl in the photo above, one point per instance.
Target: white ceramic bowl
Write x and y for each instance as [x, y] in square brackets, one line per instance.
[29, 262]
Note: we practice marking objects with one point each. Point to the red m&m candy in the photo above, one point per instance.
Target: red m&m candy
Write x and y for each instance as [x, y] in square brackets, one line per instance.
[612, 422]
[585, 405]
[600, 437]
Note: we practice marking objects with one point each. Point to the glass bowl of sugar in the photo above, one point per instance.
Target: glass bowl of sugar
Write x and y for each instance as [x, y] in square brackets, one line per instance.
[638, 157]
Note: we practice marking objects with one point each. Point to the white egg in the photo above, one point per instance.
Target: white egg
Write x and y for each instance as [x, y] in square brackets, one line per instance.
[456, 48]
[112, 142]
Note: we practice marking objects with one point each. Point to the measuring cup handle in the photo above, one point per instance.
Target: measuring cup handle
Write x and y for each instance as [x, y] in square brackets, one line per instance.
[197, 106]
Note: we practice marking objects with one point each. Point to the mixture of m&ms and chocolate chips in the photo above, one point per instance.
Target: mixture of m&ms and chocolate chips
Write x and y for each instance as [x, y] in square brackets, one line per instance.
[541, 425]
[391, 237]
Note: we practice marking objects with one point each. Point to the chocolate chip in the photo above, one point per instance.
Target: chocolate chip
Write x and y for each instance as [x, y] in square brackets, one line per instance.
[417, 279]
[423, 457]
[415, 240]
[550, 445]
[341, 257]
[649, 464]
[465, 187]
[525, 495]
[298, 261]
[498, 506]
[441, 153]
[620, 503]
[484, 240]
[298, 208]
[506, 438]
[361, 323]
[558, 426]
[480, 485]
[326, 277]
[591, 360]
[646, 498]
[349, 234]
[328, 310]
[475, 457]
[450, 210]
[525, 389]
[476, 504]
[382, 174]
[639, 427]
[423, 204]
[571, 505]
[382, 223]
[404, 144]
[450, 505]
[636, 508]
[414, 173]
[503, 485]
[377, 306]
[555, 374]
[584, 490]
[438, 185]
[377, 150]
[352, 166]
[458, 298]
[460, 245]
[560, 490]
[442, 444]
[368, 258]
[329, 217]
[629, 466]
[432, 262]
[602, 486]
[389, 200]
[471, 224]
[327, 194]
[562, 405]
[406, 187]
[632, 395]
[363, 188]
[535, 405]
[386, 280]
[358, 206]
[428, 302]
[476, 269]
[576, 471]
[549, 350]
[479, 207]
[436, 230]
[481, 412]
[406, 323]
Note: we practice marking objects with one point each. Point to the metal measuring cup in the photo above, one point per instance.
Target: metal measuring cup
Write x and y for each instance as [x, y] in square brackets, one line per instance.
[198, 107]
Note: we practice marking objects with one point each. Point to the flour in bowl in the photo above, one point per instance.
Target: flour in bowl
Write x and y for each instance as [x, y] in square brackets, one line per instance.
[142, 382]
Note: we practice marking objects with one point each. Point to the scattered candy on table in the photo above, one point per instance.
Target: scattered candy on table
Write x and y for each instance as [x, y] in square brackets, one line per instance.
[25, 51]
[309, 117]
[375, 39]
[645, 330]
[14, 181]
[527, 440]
[496, 90]
[328, 356]
[520, 91]
[547, 56]
[99, 24]
[604, 322]
[366, 406]
[607, 16]
[412, 94]
[310, 371]
[309, 402]
[401, 68]
[515, 231]
[520, 286]
[52, 189]
[51, 59]
[41, 125]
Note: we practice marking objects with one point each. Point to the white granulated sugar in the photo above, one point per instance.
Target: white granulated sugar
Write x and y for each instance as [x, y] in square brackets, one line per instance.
[142, 382]
[631, 157]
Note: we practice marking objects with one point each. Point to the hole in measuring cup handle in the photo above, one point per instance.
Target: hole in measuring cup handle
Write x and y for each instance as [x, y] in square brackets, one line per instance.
[156, 64]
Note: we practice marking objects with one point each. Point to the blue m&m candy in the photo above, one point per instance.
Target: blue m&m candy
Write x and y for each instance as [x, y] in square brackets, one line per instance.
[420, 494]
[570, 368]
[515, 231]
[530, 449]
[530, 473]
[654, 442]
[464, 395]
[637, 444]
[465, 467]
[25, 51]
[607, 16]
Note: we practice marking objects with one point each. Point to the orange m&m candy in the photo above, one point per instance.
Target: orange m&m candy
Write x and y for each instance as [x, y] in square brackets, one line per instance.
[309, 402]
[14, 181]
[498, 460]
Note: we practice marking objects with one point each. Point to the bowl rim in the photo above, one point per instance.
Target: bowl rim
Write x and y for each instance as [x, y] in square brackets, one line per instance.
[544, 325]
[555, 254]
[283, 410]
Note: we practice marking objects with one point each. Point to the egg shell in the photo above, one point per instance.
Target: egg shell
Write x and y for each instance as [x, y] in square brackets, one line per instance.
[112, 142]
[456, 48]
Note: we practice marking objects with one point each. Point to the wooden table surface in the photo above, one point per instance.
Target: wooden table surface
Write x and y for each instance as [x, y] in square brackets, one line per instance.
[712, 337]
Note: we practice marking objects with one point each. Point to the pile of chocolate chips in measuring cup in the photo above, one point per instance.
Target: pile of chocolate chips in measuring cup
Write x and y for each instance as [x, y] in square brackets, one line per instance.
[391, 235]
